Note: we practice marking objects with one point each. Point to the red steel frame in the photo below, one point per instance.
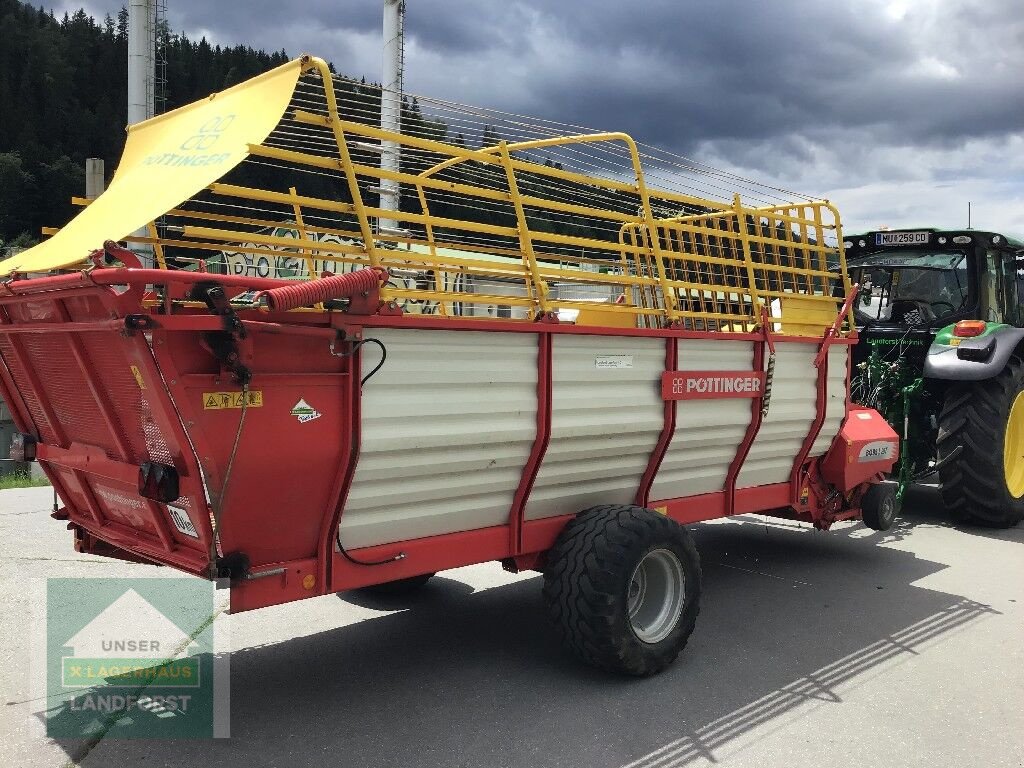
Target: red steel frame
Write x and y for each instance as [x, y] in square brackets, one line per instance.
[540, 445]
[668, 431]
[80, 460]
[329, 571]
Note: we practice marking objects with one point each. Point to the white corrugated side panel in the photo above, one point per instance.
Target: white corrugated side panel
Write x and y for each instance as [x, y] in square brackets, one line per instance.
[835, 405]
[605, 423]
[792, 410]
[447, 427]
[708, 432]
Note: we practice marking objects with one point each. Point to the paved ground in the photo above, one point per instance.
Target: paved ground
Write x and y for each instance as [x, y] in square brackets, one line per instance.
[813, 649]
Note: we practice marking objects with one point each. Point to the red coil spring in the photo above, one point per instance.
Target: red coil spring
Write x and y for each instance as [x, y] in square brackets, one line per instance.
[311, 292]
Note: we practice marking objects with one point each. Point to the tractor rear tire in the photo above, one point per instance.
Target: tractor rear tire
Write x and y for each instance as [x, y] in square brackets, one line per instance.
[979, 487]
[622, 586]
[879, 506]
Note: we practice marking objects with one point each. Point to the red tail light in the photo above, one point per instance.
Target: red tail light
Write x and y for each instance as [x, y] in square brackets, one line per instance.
[158, 482]
[968, 328]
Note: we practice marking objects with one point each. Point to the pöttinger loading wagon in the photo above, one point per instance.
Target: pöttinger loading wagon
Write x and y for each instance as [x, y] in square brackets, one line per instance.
[545, 359]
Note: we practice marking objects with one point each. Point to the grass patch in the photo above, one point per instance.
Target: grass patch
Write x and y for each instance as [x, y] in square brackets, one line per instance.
[21, 480]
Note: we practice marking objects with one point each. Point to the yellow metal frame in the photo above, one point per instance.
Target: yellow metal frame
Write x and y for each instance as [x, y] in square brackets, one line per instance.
[713, 270]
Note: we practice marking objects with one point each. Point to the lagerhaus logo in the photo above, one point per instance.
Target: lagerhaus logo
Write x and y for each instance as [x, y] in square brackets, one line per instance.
[305, 412]
[133, 658]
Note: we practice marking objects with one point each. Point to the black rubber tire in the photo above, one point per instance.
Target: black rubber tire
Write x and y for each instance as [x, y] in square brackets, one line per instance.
[974, 415]
[587, 578]
[398, 588]
[879, 507]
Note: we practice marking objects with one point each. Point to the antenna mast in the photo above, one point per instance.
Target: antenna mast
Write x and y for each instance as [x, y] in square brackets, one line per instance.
[141, 83]
[141, 58]
[160, 34]
[391, 107]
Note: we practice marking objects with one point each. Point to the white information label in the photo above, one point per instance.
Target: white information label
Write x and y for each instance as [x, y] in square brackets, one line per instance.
[181, 521]
[902, 238]
[878, 450]
[613, 361]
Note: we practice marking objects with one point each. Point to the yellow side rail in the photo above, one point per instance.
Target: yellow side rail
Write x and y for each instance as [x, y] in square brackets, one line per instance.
[492, 231]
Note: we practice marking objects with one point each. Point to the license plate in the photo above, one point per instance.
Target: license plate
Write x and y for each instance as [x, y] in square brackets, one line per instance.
[902, 238]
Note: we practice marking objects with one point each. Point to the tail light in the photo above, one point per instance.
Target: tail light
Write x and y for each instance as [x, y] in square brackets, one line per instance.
[965, 329]
[23, 447]
[158, 482]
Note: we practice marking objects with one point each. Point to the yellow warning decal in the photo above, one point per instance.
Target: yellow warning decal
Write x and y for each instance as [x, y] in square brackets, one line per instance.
[138, 376]
[215, 401]
[661, 510]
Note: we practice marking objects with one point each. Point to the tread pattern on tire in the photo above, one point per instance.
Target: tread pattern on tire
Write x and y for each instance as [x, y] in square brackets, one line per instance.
[583, 578]
[974, 415]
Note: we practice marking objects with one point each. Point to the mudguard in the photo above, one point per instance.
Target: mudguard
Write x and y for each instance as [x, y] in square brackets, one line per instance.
[949, 358]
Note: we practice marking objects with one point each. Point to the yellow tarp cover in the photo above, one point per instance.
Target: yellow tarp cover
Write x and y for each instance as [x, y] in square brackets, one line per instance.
[167, 160]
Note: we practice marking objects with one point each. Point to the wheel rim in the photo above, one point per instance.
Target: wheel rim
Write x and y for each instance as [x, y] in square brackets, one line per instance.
[655, 597]
[888, 511]
[1013, 448]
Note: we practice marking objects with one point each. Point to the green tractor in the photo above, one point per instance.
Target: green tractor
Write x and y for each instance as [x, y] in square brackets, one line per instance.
[941, 356]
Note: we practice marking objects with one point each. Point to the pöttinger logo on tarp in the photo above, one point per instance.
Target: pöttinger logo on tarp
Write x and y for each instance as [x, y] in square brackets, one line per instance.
[134, 658]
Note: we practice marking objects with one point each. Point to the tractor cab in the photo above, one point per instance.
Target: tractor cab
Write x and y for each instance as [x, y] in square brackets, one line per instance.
[915, 283]
[914, 289]
[940, 316]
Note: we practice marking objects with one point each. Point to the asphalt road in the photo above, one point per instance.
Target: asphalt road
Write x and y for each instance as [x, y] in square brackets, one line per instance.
[812, 649]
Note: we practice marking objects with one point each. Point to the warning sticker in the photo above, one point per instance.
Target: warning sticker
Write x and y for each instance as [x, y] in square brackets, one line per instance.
[138, 376]
[182, 522]
[214, 401]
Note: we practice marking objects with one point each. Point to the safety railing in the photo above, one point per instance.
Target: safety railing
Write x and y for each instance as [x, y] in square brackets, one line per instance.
[501, 230]
[718, 270]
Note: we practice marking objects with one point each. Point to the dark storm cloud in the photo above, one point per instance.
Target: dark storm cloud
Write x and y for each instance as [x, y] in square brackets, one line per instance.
[258, 21]
[735, 69]
[838, 95]
[684, 72]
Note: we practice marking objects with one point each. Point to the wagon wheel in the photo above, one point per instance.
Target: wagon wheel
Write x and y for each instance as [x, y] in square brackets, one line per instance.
[623, 588]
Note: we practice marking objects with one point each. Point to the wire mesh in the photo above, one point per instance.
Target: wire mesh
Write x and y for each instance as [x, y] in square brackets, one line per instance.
[503, 215]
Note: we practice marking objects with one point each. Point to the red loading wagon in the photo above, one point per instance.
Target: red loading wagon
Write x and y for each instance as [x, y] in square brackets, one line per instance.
[387, 403]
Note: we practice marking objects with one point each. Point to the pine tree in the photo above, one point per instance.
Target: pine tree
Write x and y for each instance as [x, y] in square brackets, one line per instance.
[63, 98]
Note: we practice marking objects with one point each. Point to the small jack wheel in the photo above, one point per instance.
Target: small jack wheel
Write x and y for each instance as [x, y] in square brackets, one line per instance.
[879, 506]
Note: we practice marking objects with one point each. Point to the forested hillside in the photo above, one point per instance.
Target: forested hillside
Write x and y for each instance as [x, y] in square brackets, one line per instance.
[63, 97]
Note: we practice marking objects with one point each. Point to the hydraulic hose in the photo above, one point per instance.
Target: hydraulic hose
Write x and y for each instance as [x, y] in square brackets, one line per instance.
[307, 293]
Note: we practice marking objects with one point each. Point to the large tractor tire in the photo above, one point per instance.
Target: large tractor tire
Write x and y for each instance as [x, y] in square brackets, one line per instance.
[622, 586]
[984, 485]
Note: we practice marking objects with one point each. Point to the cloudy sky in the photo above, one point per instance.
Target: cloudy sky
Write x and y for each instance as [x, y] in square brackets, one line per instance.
[899, 111]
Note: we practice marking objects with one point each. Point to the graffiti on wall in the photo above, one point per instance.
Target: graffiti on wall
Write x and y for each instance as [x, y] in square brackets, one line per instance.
[288, 263]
